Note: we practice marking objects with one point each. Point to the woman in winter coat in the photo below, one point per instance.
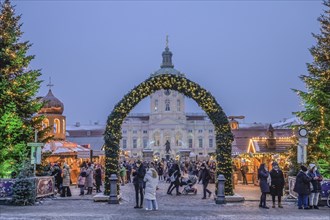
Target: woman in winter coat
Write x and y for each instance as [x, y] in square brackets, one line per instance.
[151, 179]
[89, 179]
[66, 181]
[263, 176]
[277, 184]
[98, 178]
[316, 179]
[302, 187]
[81, 180]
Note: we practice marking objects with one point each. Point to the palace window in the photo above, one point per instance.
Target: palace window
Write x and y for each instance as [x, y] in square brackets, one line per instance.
[189, 131]
[190, 143]
[156, 105]
[210, 142]
[134, 131]
[145, 142]
[210, 131]
[178, 139]
[124, 131]
[200, 142]
[200, 131]
[178, 103]
[124, 143]
[167, 105]
[134, 143]
[145, 132]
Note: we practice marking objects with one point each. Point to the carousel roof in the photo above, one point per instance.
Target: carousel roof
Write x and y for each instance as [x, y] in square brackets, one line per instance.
[63, 147]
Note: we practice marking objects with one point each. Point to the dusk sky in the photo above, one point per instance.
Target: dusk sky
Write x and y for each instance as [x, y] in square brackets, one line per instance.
[248, 54]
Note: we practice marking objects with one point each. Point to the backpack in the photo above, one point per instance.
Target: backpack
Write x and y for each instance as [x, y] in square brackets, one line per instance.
[83, 174]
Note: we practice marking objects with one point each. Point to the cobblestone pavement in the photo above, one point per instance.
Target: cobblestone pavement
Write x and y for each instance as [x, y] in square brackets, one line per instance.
[170, 207]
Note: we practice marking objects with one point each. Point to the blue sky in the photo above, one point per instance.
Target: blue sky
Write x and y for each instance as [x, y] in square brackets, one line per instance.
[248, 54]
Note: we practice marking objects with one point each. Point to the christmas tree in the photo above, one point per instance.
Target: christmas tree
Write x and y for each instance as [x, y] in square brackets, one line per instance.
[316, 99]
[18, 88]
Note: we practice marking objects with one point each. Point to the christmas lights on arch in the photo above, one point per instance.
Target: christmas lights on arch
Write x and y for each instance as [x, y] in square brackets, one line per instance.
[190, 89]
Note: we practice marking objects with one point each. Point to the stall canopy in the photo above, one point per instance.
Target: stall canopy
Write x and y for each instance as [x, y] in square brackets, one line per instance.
[63, 147]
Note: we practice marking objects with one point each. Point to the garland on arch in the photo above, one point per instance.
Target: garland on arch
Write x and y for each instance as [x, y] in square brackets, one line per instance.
[204, 99]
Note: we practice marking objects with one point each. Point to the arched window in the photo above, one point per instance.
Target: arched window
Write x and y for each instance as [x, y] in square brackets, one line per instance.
[167, 105]
[63, 126]
[178, 139]
[45, 123]
[156, 105]
[156, 139]
[56, 126]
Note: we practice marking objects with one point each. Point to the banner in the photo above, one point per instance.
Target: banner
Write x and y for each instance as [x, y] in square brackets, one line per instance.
[45, 186]
[6, 188]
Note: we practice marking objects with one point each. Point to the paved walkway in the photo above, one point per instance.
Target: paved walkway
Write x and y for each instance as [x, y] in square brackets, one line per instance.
[170, 207]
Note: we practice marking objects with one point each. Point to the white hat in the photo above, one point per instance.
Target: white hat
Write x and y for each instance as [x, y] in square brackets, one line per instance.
[311, 166]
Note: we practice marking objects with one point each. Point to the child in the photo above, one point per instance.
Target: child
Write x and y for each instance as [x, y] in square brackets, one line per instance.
[81, 180]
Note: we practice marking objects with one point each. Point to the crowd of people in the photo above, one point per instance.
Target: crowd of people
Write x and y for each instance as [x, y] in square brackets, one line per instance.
[307, 186]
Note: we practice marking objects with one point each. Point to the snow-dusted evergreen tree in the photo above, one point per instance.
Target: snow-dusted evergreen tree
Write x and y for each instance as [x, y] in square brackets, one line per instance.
[18, 88]
[316, 99]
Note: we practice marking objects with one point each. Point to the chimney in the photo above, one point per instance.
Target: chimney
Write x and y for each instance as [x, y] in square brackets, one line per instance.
[77, 124]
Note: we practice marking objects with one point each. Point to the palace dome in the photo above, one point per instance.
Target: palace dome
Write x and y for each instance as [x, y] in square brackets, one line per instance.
[52, 105]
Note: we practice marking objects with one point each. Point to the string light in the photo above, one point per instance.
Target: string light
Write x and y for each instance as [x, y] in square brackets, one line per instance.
[190, 89]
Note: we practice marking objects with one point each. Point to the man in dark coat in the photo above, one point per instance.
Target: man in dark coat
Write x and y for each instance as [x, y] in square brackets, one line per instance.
[138, 175]
[205, 176]
[277, 184]
[244, 170]
[98, 178]
[302, 187]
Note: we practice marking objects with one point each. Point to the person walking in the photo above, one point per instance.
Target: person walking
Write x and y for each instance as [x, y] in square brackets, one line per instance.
[138, 175]
[263, 176]
[98, 178]
[302, 187]
[82, 180]
[277, 184]
[151, 179]
[128, 171]
[205, 176]
[316, 179]
[66, 181]
[174, 174]
[122, 174]
[89, 179]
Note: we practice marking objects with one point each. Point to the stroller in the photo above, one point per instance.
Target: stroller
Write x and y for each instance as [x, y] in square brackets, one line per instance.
[189, 183]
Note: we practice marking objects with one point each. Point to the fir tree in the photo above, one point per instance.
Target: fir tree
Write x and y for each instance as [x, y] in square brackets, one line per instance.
[18, 88]
[316, 99]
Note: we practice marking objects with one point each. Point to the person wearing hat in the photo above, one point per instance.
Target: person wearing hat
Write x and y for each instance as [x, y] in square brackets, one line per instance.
[277, 184]
[138, 175]
[316, 179]
[302, 187]
[205, 176]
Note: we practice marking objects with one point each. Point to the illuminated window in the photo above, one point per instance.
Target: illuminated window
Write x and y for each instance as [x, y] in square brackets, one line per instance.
[167, 105]
[45, 123]
[56, 126]
[63, 126]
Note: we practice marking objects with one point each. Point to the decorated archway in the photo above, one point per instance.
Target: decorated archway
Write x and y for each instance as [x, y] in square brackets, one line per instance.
[190, 89]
